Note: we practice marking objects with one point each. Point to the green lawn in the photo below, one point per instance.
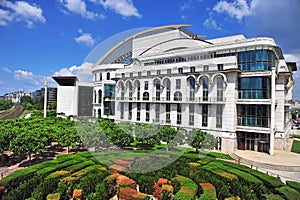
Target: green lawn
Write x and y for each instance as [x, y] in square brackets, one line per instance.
[296, 146]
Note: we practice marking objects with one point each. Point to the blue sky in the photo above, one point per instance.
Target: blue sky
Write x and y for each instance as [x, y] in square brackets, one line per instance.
[41, 38]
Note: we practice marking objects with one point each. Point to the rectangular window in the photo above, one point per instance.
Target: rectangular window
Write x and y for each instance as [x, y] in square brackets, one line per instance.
[131, 74]
[191, 114]
[205, 68]
[122, 110]
[109, 91]
[158, 72]
[178, 84]
[123, 75]
[219, 113]
[157, 112]
[168, 115]
[168, 71]
[138, 114]
[253, 115]
[148, 73]
[192, 69]
[220, 67]
[147, 112]
[178, 113]
[180, 70]
[129, 111]
[139, 73]
[204, 115]
[146, 85]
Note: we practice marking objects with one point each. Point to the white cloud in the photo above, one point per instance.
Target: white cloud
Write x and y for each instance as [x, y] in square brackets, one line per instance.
[21, 75]
[237, 8]
[85, 38]
[122, 7]
[211, 23]
[80, 7]
[20, 11]
[6, 69]
[83, 72]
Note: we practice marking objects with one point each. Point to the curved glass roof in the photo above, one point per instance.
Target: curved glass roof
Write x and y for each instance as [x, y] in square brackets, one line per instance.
[118, 48]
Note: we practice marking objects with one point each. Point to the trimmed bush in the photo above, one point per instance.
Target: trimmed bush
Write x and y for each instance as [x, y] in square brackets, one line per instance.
[273, 197]
[208, 191]
[55, 196]
[289, 193]
[294, 185]
[188, 189]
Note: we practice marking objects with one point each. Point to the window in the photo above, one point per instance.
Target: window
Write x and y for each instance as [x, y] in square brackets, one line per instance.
[168, 111]
[157, 90]
[139, 73]
[95, 97]
[146, 96]
[180, 70]
[100, 77]
[146, 86]
[157, 112]
[178, 84]
[178, 113]
[219, 113]
[99, 113]
[123, 75]
[122, 111]
[158, 72]
[205, 68]
[253, 115]
[129, 111]
[220, 83]
[109, 91]
[131, 74]
[168, 89]
[192, 69]
[256, 60]
[147, 112]
[191, 114]
[205, 88]
[192, 83]
[169, 71]
[95, 77]
[138, 111]
[109, 108]
[148, 73]
[108, 76]
[220, 67]
[177, 96]
[137, 85]
[254, 88]
[130, 91]
[122, 91]
[204, 115]
[99, 96]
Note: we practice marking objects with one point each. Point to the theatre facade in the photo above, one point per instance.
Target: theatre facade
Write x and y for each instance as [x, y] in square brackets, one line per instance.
[235, 88]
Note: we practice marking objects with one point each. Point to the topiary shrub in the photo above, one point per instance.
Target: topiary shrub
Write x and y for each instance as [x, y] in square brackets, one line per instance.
[288, 193]
[208, 191]
[294, 185]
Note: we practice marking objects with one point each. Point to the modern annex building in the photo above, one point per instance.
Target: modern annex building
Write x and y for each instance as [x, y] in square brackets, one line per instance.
[235, 88]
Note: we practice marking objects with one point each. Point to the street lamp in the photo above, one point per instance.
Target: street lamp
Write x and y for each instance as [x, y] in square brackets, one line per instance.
[45, 96]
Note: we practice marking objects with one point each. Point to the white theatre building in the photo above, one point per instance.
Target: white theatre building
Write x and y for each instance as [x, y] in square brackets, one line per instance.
[235, 88]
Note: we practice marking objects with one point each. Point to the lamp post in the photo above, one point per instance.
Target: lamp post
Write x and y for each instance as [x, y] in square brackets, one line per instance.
[45, 97]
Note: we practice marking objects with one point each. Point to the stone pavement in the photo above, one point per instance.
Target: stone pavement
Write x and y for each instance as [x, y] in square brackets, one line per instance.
[283, 164]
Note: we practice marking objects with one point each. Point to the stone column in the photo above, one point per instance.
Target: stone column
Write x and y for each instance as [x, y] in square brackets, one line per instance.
[272, 125]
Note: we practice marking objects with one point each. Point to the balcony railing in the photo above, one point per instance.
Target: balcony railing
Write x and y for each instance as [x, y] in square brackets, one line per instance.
[174, 100]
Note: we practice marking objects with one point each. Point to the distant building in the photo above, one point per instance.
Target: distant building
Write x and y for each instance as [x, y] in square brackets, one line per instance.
[2, 97]
[51, 94]
[15, 97]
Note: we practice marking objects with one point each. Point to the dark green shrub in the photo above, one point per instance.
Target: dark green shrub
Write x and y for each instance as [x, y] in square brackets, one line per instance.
[272, 197]
[294, 185]
[289, 193]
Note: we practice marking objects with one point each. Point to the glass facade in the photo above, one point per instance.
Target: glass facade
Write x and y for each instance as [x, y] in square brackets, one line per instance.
[256, 60]
[254, 115]
[109, 90]
[254, 88]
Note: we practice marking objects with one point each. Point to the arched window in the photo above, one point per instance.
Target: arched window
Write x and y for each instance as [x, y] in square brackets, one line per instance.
[100, 76]
[168, 89]
[130, 90]
[205, 88]
[121, 86]
[138, 89]
[192, 84]
[95, 77]
[146, 96]
[157, 90]
[108, 76]
[220, 83]
[99, 96]
[95, 97]
[177, 96]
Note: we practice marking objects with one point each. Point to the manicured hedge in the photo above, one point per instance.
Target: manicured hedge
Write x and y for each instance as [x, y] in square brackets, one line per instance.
[294, 185]
[208, 191]
[289, 193]
[187, 188]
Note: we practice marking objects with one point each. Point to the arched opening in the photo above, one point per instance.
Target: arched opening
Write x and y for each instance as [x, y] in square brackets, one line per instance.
[157, 90]
[205, 88]
[167, 84]
[192, 85]
[220, 90]
[146, 96]
[99, 113]
[107, 76]
[99, 96]
[177, 96]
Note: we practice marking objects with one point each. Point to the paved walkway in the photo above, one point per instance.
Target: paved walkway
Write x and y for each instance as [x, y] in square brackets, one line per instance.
[283, 164]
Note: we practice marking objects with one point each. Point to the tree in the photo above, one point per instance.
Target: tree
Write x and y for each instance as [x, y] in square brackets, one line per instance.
[5, 104]
[28, 106]
[147, 135]
[53, 105]
[196, 138]
[25, 99]
[167, 134]
[68, 137]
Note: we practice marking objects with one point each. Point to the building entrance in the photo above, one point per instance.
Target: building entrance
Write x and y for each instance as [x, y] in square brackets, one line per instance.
[253, 141]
